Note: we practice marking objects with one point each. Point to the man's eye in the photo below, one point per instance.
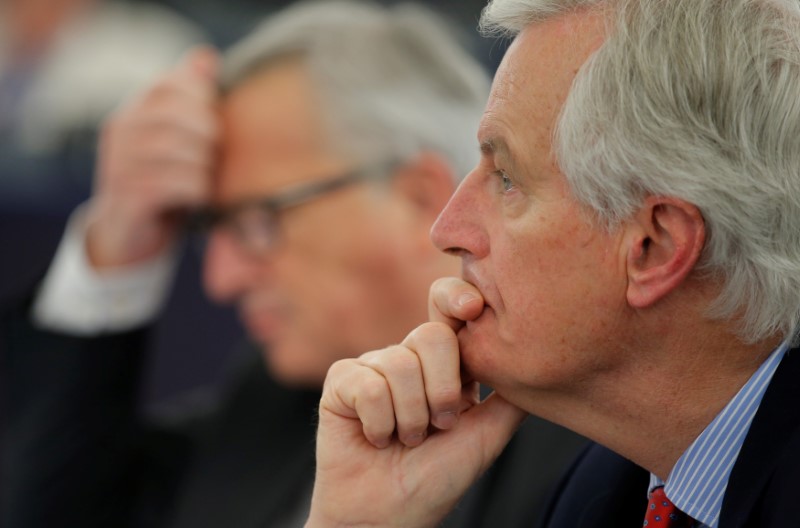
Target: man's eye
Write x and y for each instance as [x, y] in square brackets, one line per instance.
[505, 181]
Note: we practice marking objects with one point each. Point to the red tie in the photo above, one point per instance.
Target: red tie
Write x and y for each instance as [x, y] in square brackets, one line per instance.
[661, 513]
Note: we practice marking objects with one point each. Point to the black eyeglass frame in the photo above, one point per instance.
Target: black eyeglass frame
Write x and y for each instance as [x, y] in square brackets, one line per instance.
[205, 220]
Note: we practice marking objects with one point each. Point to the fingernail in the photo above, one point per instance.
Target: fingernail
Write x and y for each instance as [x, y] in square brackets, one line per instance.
[446, 420]
[382, 443]
[466, 298]
[415, 439]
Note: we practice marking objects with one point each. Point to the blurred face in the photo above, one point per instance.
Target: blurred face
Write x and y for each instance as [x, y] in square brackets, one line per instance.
[345, 275]
[554, 285]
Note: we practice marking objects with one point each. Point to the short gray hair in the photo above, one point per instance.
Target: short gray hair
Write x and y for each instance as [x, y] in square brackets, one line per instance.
[393, 81]
[700, 100]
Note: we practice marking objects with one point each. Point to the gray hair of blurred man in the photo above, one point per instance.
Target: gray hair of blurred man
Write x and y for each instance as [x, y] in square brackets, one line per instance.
[393, 82]
[694, 99]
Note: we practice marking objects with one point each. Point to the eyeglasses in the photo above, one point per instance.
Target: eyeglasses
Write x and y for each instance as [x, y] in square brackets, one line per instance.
[254, 223]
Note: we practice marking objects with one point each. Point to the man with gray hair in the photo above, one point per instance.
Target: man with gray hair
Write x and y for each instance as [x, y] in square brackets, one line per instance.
[630, 269]
[341, 130]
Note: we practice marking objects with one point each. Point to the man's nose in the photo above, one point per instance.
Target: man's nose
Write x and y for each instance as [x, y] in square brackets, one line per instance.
[460, 227]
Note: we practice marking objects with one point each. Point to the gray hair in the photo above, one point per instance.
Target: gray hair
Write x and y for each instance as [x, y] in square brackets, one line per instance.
[393, 81]
[695, 99]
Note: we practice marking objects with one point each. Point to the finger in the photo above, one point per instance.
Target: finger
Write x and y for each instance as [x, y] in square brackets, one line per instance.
[179, 189]
[453, 301]
[353, 390]
[200, 70]
[173, 146]
[168, 112]
[180, 84]
[155, 193]
[133, 143]
[172, 132]
[495, 421]
[403, 372]
[436, 346]
[483, 432]
[183, 117]
[203, 61]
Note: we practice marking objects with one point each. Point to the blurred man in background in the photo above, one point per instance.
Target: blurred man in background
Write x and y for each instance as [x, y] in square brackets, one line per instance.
[339, 134]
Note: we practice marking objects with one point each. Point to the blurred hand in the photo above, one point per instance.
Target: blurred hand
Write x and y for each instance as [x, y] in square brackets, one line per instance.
[401, 434]
[155, 161]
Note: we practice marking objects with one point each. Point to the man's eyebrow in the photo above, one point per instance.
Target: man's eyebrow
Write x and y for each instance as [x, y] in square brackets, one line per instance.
[497, 146]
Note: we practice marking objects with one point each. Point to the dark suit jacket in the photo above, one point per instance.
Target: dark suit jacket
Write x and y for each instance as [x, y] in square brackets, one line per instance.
[78, 454]
[603, 489]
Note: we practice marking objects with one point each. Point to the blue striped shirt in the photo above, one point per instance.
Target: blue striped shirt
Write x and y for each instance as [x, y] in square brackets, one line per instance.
[697, 483]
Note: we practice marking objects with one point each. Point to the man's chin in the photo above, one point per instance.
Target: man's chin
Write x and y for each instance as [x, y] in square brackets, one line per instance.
[285, 368]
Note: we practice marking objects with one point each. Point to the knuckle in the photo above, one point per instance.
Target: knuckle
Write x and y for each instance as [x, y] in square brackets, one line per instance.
[376, 432]
[415, 424]
[336, 375]
[115, 126]
[338, 369]
[375, 359]
[440, 283]
[372, 390]
[445, 397]
[439, 289]
[402, 362]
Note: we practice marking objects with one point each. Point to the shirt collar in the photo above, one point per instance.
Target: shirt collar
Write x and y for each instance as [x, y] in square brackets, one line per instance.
[697, 483]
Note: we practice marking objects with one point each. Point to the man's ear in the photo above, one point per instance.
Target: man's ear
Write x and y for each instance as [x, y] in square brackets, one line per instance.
[665, 242]
[427, 182]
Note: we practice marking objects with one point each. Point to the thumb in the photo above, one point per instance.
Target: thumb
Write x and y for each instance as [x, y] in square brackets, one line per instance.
[453, 301]
[493, 422]
[478, 439]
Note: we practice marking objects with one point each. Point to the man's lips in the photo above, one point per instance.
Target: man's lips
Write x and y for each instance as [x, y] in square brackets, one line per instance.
[475, 322]
[470, 276]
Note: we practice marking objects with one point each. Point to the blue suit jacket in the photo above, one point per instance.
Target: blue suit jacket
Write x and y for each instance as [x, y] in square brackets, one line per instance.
[603, 489]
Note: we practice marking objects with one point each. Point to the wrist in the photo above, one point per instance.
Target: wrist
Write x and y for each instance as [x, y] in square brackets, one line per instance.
[113, 243]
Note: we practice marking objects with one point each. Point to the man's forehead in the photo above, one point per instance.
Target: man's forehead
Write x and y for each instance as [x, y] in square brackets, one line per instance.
[273, 135]
[558, 46]
[535, 76]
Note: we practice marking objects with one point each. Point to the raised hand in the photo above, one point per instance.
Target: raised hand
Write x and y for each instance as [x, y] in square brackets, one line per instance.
[402, 435]
[155, 161]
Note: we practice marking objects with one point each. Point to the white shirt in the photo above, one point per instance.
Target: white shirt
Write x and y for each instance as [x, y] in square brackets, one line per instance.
[76, 299]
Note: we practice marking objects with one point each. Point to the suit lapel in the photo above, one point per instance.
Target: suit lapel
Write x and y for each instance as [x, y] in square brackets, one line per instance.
[769, 436]
[601, 489]
[582, 502]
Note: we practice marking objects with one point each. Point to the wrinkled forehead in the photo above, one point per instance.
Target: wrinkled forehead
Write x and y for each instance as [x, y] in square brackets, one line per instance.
[554, 47]
[535, 77]
[272, 135]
